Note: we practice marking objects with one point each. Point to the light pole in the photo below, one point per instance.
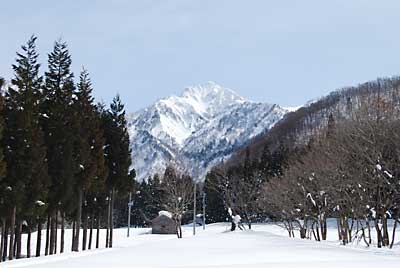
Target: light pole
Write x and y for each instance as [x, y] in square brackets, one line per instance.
[194, 210]
[130, 204]
[132, 175]
[204, 210]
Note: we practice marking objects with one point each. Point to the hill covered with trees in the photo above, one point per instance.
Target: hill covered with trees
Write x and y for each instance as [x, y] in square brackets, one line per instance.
[336, 157]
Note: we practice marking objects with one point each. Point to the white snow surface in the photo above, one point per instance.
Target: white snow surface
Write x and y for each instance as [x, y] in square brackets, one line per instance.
[267, 245]
[237, 219]
[196, 130]
[165, 213]
[293, 108]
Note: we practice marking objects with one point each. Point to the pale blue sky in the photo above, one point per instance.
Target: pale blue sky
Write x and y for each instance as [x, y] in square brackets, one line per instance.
[284, 52]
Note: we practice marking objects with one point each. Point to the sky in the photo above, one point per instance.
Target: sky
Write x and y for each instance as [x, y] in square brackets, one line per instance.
[284, 52]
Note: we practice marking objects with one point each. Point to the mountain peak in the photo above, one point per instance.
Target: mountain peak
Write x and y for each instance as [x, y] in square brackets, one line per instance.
[210, 98]
[210, 91]
[197, 129]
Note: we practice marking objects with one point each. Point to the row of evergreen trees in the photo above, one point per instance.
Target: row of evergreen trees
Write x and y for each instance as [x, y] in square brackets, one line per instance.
[63, 157]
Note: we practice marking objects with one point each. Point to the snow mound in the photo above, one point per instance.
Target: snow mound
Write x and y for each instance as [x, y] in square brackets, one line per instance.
[165, 213]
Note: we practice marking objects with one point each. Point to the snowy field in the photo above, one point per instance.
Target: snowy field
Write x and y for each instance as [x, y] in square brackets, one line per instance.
[266, 245]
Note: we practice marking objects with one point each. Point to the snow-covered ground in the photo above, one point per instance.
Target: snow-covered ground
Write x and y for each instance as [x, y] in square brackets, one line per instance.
[266, 245]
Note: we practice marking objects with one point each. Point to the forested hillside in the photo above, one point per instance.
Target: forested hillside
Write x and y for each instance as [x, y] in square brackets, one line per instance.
[298, 127]
[336, 157]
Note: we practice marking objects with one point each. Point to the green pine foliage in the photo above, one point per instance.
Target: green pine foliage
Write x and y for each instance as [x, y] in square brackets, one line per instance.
[97, 193]
[25, 148]
[118, 159]
[88, 152]
[118, 153]
[148, 198]
[26, 151]
[3, 184]
[216, 210]
[58, 121]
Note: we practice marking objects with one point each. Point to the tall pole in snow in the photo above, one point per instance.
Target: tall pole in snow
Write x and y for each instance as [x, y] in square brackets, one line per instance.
[194, 210]
[204, 209]
[129, 212]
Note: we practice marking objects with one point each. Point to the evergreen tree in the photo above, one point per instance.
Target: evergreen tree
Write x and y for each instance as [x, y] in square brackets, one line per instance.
[154, 195]
[26, 151]
[118, 158]
[58, 122]
[272, 163]
[4, 201]
[147, 199]
[97, 196]
[216, 210]
[89, 152]
[139, 219]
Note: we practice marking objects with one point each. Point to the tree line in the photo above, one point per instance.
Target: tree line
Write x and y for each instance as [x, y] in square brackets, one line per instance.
[63, 158]
[337, 158]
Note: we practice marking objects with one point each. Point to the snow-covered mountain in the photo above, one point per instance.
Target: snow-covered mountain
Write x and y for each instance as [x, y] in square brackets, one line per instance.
[196, 130]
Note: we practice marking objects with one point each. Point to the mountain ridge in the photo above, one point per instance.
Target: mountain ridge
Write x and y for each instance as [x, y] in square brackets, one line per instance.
[196, 130]
[298, 127]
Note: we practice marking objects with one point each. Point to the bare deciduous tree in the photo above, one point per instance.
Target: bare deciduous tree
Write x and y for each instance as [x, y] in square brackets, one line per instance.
[177, 195]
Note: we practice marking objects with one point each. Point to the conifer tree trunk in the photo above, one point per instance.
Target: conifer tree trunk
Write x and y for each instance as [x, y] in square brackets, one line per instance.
[39, 239]
[3, 236]
[52, 234]
[110, 244]
[91, 231]
[98, 230]
[78, 221]
[56, 232]
[4, 253]
[47, 235]
[108, 222]
[107, 233]
[85, 226]
[28, 242]
[73, 234]
[15, 242]
[18, 238]
[12, 232]
[62, 232]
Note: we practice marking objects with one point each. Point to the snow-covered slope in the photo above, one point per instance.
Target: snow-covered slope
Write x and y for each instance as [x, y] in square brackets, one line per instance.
[196, 130]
